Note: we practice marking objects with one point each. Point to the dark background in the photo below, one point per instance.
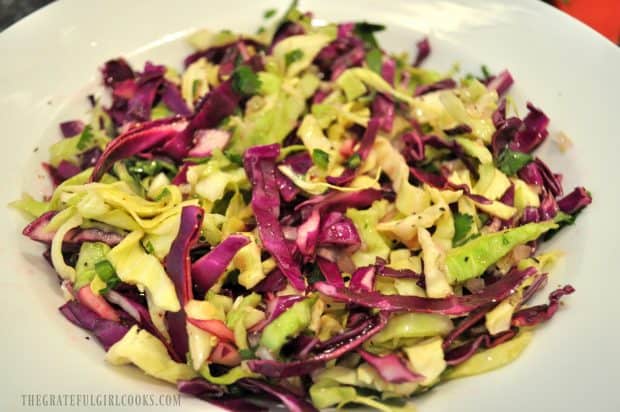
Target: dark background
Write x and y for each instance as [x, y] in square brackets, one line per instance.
[13, 10]
[602, 15]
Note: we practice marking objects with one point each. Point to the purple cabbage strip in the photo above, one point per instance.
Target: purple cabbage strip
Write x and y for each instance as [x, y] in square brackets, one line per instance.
[499, 115]
[308, 233]
[533, 132]
[383, 270]
[391, 367]
[173, 100]
[463, 352]
[363, 279]
[548, 207]
[90, 158]
[338, 230]
[330, 271]
[286, 30]
[291, 401]
[287, 188]
[444, 84]
[538, 284]
[552, 182]
[275, 307]
[345, 177]
[259, 162]
[352, 58]
[383, 109]
[320, 95]
[59, 174]
[115, 71]
[345, 29]
[540, 313]
[501, 82]
[140, 314]
[106, 331]
[530, 174]
[208, 269]
[71, 128]
[414, 145]
[199, 387]
[506, 131]
[471, 320]
[441, 182]
[388, 70]
[340, 201]
[338, 346]
[274, 282]
[356, 325]
[304, 344]
[300, 162]
[109, 332]
[457, 130]
[181, 176]
[369, 138]
[137, 140]
[575, 200]
[79, 314]
[232, 55]
[73, 239]
[216, 105]
[212, 54]
[139, 106]
[453, 305]
[508, 198]
[423, 51]
[178, 267]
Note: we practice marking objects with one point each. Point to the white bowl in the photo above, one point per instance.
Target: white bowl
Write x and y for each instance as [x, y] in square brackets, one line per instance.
[50, 62]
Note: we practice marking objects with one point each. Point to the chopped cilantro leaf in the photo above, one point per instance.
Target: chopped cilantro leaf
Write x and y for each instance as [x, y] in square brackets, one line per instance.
[354, 161]
[269, 13]
[483, 218]
[105, 271]
[197, 160]
[195, 86]
[365, 31]
[148, 246]
[562, 219]
[315, 275]
[163, 194]
[373, 60]
[247, 354]
[485, 72]
[292, 56]
[426, 128]
[234, 158]
[462, 226]
[320, 158]
[510, 162]
[141, 168]
[86, 138]
[245, 81]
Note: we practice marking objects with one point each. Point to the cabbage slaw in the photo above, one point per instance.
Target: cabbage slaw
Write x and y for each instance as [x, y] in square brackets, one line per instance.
[300, 216]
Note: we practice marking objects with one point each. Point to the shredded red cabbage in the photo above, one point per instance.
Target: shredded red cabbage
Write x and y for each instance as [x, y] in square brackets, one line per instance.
[208, 269]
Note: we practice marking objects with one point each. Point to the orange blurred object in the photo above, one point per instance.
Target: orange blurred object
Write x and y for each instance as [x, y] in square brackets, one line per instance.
[602, 15]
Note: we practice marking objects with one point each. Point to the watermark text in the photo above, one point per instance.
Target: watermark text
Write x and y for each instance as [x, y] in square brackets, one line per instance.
[99, 400]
